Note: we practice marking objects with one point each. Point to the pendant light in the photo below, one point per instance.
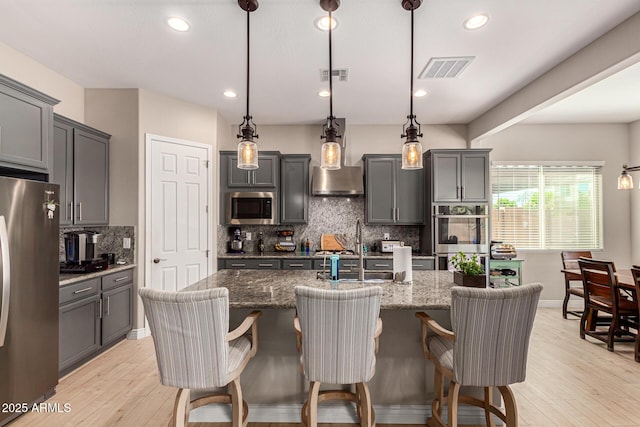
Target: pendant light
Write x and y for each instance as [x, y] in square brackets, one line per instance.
[331, 152]
[412, 149]
[625, 182]
[247, 149]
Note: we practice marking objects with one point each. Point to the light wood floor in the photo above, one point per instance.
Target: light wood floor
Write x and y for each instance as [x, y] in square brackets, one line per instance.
[570, 382]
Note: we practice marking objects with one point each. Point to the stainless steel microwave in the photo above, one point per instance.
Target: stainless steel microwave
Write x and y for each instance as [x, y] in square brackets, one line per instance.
[252, 207]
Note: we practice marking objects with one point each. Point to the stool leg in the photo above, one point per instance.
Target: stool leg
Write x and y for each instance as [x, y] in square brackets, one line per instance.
[366, 419]
[312, 404]
[236, 403]
[180, 411]
[488, 403]
[452, 407]
[510, 407]
[438, 401]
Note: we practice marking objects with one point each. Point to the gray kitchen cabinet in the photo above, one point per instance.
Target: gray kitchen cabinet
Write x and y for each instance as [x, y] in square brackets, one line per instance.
[294, 188]
[393, 195]
[81, 168]
[458, 175]
[297, 264]
[266, 176]
[256, 264]
[344, 264]
[94, 313]
[26, 118]
[387, 264]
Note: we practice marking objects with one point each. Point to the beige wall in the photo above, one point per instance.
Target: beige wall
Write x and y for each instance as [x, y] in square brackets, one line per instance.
[31, 73]
[115, 111]
[634, 160]
[605, 142]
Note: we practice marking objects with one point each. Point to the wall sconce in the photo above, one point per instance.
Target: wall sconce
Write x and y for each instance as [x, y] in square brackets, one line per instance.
[625, 182]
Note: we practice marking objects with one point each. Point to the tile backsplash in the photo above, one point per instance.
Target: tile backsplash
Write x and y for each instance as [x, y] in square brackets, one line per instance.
[336, 215]
[110, 240]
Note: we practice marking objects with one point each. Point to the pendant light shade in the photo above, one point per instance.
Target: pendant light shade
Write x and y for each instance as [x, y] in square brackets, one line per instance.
[412, 149]
[625, 182]
[247, 148]
[331, 154]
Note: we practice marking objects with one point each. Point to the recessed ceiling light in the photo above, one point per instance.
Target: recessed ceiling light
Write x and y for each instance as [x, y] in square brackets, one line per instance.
[178, 24]
[476, 21]
[324, 93]
[322, 23]
[230, 94]
[420, 92]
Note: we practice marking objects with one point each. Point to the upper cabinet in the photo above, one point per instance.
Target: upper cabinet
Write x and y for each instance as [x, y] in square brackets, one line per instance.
[81, 168]
[266, 176]
[294, 188]
[26, 117]
[458, 175]
[393, 195]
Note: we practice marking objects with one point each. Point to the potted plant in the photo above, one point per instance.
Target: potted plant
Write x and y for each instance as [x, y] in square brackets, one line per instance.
[468, 271]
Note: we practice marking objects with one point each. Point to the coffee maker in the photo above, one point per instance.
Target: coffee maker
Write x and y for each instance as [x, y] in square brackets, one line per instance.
[80, 247]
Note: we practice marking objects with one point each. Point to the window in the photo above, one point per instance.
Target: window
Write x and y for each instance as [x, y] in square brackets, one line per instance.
[547, 206]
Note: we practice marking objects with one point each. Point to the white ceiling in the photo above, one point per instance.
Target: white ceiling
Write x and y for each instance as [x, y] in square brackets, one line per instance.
[126, 44]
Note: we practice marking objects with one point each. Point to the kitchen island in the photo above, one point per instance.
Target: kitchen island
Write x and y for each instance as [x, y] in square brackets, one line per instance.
[273, 386]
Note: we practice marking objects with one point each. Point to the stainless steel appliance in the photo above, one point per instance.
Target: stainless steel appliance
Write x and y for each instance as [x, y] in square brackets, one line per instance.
[29, 292]
[81, 246]
[461, 228]
[387, 245]
[501, 250]
[251, 207]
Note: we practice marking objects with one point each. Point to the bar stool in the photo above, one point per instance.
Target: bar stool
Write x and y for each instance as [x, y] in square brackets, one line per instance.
[196, 351]
[488, 347]
[337, 332]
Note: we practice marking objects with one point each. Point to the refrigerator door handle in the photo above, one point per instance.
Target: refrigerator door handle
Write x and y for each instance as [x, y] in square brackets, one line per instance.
[6, 279]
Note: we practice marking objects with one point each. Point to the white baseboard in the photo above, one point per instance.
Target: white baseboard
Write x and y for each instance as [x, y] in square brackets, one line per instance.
[136, 334]
[330, 413]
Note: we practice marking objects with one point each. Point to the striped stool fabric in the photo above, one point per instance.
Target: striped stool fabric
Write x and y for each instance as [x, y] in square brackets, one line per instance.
[196, 351]
[338, 341]
[488, 347]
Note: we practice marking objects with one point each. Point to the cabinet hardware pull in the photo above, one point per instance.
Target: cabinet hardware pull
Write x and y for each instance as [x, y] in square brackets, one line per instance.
[265, 265]
[381, 265]
[238, 265]
[108, 304]
[79, 291]
[296, 265]
[100, 308]
[80, 211]
[121, 279]
[69, 213]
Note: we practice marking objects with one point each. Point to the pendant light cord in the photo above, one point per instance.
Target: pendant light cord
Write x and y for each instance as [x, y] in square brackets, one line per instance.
[248, 34]
[411, 93]
[330, 73]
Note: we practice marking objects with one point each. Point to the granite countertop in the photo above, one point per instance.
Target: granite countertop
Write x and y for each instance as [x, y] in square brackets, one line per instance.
[67, 279]
[298, 255]
[261, 289]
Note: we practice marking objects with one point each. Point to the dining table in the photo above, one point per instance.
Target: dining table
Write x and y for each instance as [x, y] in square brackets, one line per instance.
[624, 276]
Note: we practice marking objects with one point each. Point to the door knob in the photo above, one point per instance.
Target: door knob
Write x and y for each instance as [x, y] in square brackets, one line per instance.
[157, 260]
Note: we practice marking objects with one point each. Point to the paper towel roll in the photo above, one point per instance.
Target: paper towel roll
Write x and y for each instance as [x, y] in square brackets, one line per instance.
[402, 262]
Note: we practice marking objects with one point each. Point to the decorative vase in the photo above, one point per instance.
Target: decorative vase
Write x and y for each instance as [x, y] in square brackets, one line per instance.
[477, 281]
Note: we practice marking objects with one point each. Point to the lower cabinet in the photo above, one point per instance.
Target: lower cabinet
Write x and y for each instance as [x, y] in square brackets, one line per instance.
[94, 314]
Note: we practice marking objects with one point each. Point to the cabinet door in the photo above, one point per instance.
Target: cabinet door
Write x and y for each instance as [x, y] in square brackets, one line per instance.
[446, 177]
[267, 173]
[237, 177]
[475, 177]
[117, 318]
[62, 169]
[380, 191]
[91, 178]
[409, 195]
[294, 189]
[25, 132]
[79, 331]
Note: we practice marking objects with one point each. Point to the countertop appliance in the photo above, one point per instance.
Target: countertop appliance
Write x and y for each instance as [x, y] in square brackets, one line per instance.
[251, 207]
[236, 245]
[387, 245]
[81, 246]
[29, 289]
[501, 250]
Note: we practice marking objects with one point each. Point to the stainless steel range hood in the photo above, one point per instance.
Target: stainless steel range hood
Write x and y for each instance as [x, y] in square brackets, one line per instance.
[346, 181]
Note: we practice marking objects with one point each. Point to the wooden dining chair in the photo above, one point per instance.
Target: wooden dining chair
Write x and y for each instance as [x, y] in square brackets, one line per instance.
[487, 347]
[603, 294]
[570, 262]
[635, 272]
[196, 351]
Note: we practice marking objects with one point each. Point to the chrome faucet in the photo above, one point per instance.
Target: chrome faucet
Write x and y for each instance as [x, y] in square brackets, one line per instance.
[360, 249]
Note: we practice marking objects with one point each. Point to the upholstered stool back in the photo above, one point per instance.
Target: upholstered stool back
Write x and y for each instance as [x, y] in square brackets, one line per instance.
[492, 329]
[189, 332]
[338, 328]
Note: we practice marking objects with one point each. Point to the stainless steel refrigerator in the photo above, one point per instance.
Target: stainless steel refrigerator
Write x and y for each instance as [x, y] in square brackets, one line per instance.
[29, 267]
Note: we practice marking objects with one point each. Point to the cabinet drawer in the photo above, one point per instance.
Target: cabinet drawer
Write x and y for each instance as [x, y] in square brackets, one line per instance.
[378, 264]
[265, 264]
[79, 290]
[114, 280]
[296, 264]
[423, 264]
[345, 264]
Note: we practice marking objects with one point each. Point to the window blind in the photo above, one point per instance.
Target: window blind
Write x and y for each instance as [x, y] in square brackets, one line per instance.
[547, 207]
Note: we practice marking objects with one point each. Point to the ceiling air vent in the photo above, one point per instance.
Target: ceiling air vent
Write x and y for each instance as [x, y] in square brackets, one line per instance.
[342, 74]
[445, 67]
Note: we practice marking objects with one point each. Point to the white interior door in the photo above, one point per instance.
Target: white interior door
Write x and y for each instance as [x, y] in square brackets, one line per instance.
[179, 190]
